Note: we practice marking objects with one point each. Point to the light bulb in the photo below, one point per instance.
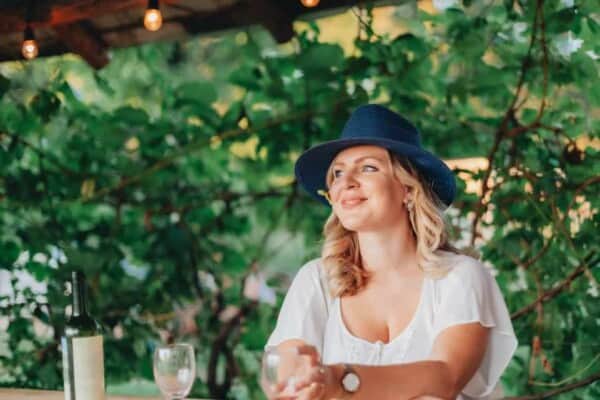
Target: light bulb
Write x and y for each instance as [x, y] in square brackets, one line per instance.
[309, 3]
[152, 17]
[29, 48]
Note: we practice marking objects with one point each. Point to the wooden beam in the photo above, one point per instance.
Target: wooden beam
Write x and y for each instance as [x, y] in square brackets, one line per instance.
[275, 16]
[82, 39]
[85, 9]
[47, 14]
[13, 17]
[71, 20]
[278, 22]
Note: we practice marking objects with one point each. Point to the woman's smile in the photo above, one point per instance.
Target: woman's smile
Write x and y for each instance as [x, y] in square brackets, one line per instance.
[352, 202]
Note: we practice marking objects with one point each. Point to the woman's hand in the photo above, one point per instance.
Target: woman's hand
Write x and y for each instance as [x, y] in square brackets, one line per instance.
[318, 380]
[314, 381]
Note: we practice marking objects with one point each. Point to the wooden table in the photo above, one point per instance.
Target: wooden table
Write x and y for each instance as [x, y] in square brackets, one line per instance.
[31, 394]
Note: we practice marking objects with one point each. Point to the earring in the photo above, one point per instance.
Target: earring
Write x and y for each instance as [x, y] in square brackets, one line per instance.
[325, 194]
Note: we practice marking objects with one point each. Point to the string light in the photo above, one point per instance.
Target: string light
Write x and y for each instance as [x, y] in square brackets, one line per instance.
[309, 3]
[29, 48]
[152, 17]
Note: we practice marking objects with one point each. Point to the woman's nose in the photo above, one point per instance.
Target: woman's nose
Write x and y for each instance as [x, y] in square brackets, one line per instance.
[351, 183]
[349, 180]
[344, 182]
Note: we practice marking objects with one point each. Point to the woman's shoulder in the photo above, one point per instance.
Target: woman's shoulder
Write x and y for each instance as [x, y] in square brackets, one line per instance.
[311, 268]
[312, 272]
[311, 278]
[465, 270]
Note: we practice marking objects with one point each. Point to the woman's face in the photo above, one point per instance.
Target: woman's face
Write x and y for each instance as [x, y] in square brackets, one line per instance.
[365, 194]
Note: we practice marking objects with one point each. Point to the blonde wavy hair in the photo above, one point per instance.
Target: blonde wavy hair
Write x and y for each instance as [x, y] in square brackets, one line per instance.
[341, 252]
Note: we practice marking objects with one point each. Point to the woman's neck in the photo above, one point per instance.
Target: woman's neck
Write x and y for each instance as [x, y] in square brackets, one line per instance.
[391, 249]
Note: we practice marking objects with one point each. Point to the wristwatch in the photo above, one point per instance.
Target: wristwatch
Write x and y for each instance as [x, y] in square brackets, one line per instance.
[350, 379]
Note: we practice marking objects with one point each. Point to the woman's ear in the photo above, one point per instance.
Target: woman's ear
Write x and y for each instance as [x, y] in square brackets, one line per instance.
[408, 197]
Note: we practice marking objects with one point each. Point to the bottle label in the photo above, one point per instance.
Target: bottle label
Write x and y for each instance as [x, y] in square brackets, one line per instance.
[83, 363]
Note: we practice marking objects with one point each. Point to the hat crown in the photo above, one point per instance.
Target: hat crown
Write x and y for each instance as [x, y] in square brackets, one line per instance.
[377, 126]
[375, 121]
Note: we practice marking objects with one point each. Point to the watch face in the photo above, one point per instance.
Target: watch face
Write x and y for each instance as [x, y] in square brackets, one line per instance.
[351, 382]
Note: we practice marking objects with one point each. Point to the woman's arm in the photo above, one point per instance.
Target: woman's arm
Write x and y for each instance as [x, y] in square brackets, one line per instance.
[456, 355]
[400, 381]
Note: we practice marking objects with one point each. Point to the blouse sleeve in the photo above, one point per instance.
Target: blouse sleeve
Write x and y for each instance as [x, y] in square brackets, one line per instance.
[304, 311]
[470, 294]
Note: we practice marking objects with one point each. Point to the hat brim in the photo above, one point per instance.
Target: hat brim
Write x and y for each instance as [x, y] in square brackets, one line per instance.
[311, 167]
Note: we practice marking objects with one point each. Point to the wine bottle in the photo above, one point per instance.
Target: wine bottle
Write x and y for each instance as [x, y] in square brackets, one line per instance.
[82, 347]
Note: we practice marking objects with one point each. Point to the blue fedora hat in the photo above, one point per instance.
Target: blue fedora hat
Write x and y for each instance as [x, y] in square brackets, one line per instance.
[376, 125]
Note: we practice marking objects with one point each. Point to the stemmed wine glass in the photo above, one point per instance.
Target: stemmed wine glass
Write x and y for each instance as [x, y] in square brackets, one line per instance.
[174, 368]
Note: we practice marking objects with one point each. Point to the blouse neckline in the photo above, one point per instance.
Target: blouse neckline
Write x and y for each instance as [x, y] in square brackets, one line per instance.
[406, 331]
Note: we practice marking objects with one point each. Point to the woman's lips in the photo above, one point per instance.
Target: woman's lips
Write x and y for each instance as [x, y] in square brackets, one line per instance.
[350, 203]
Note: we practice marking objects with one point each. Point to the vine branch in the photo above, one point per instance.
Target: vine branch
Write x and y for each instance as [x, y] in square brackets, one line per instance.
[502, 132]
[551, 393]
[44, 155]
[551, 293]
[195, 146]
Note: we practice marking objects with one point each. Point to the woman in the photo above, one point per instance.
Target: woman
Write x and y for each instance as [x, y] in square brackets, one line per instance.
[390, 310]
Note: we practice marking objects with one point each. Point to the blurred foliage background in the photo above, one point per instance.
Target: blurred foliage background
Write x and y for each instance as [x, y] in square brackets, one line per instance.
[167, 177]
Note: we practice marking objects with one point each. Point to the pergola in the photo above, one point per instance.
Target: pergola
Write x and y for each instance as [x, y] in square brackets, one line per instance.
[90, 28]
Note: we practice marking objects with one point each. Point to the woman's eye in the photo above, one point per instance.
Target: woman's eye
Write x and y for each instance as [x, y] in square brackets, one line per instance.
[369, 168]
[337, 173]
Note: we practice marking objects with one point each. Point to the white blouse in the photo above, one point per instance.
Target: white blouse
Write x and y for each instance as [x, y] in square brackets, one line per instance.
[468, 293]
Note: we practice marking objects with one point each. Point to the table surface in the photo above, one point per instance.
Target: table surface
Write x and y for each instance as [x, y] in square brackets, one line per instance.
[31, 394]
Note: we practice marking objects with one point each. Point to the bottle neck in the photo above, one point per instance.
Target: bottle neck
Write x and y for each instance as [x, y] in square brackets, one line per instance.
[79, 295]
